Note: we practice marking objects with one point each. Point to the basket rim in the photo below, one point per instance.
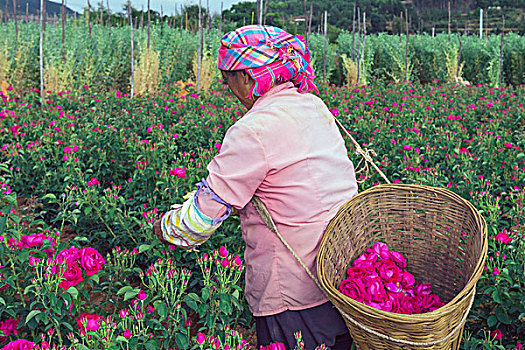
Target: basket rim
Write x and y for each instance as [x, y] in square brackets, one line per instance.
[333, 292]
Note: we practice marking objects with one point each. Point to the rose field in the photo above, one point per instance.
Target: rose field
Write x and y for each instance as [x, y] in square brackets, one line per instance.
[85, 174]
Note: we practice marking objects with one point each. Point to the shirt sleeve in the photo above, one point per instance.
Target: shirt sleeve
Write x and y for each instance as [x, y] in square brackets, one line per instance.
[240, 167]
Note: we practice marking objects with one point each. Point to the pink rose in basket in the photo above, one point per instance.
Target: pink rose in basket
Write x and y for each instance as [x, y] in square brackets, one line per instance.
[365, 261]
[399, 259]
[407, 280]
[423, 289]
[388, 271]
[355, 289]
[376, 289]
[380, 249]
[357, 272]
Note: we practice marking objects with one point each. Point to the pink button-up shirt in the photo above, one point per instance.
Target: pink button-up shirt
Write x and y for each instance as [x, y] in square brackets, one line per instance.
[288, 151]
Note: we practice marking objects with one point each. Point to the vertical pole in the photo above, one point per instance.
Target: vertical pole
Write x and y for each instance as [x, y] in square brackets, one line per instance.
[208, 14]
[305, 21]
[265, 9]
[142, 18]
[353, 35]
[501, 53]
[406, 48]
[310, 19]
[449, 21]
[433, 32]
[88, 19]
[199, 52]
[109, 17]
[486, 26]
[364, 43]
[186, 18]
[325, 39]
[245, 17]
[63, 13]
[27, 12]
[261, 3]
[41, 52]
[132, 58]
[16, 21]
[149, 23]
[481, 23]
[181, 17]
[101, 17]
[358, 43]
[161, 19]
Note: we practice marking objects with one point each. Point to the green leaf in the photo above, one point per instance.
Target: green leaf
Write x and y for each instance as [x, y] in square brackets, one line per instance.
[73, 291]
[161, 308]
[502, 316]
[182, 341]
[121, 339]
[205, 293]
[191, 303]
[87, 210]
[144, 247]
[496, 296]
[150, 346]
[32, 314]
[124, 290]
[130, 294]
[51, 197]
[95, 278]
[226, 304]
[2, 301]
[492, 320]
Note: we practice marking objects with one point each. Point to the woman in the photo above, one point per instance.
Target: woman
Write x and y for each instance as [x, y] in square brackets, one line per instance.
[288, 151]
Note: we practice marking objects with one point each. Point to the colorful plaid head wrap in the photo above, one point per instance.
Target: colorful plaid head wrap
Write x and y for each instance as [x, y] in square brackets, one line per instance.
[269, 55]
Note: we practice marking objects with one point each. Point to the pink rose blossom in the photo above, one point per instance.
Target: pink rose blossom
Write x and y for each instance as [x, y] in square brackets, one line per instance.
[91, 260]
[72, 276]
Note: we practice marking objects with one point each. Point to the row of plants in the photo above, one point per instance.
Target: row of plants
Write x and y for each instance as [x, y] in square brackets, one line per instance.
[102, 60]
[86, 173]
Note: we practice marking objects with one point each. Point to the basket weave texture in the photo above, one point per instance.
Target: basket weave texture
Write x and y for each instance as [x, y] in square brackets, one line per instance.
[444, 240]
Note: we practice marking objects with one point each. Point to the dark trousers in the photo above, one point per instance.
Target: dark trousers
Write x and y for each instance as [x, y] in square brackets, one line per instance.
[318, 325]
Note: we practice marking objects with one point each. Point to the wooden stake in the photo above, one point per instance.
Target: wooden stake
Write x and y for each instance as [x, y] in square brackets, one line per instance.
[325, 43]
[353, 35]
[208, 18]
[132, 58]
[406, 48]
[63, 13]
[149, 23]
[142, 18]
[358, 42]
[310, 19]
[16, 21]
[100, 18]
[481, 23]
[41, 52]
[449, 21]
[109, 18]
[305, 21]
[27, 12]
[88, 18]
[181, 17]
[199, 52]
[266, 8]
[459, 58]
[501, 53]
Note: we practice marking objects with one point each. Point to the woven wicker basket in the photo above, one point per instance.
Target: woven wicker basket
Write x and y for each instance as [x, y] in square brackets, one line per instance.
[444, 240]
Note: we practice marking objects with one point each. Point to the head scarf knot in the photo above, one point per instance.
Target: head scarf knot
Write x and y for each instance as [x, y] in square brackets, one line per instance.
[269, 55]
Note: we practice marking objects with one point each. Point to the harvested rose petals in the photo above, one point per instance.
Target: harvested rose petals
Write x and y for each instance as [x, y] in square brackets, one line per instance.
[378, 278]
